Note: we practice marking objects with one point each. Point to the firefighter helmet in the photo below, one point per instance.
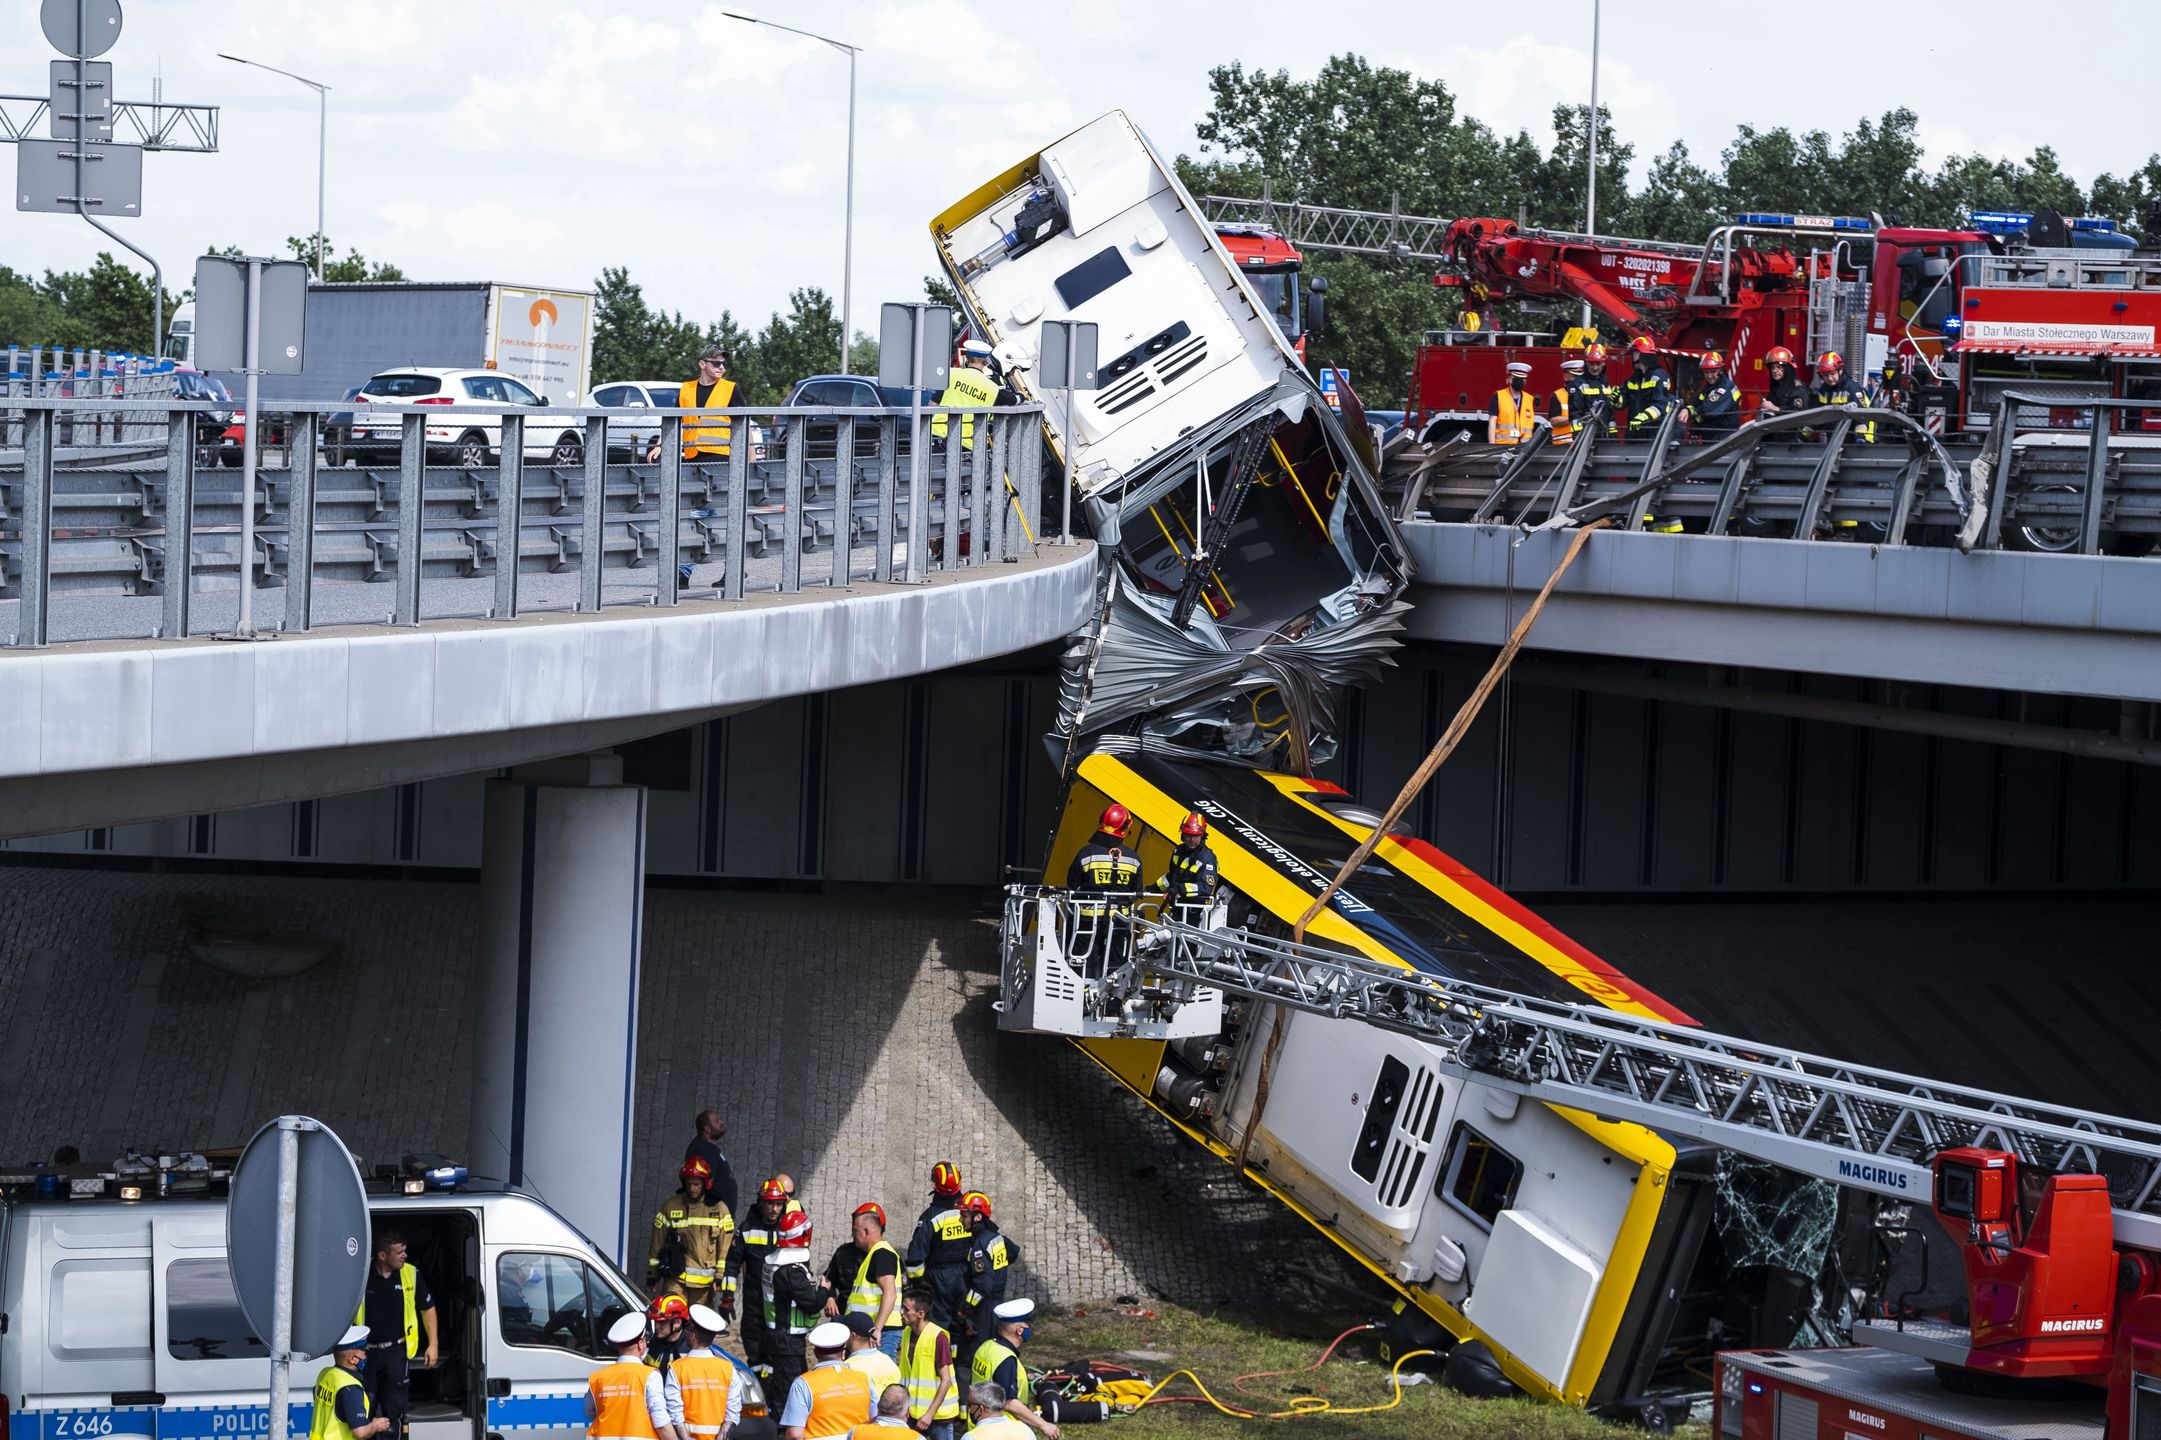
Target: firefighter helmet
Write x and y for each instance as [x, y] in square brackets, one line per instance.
[1642, 345]
[1778, 355]
[669, 1307]
[1712, 362]
[975, 1202]
[945, 1175]
[1830, 362]
[1594, 354]
[795, 1230]
[1194, 825]
[1115, 820]
[871, 1208]
[773, 1190]
[695, 1168]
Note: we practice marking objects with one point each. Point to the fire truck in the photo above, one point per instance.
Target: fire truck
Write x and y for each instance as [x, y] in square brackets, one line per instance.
[1271, 265]
[2058, 303]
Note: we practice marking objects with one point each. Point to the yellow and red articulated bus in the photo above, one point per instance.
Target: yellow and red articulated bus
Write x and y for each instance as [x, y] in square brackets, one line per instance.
[1573, 1258]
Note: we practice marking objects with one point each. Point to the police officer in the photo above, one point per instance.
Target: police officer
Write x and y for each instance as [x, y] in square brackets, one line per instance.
[1647, 393]
[990, 1264]
[395, 1306]
[1786, 393]
[969, 386]
[1717, 409]
[342, 1411]
[997, 1362]
[1189, 880]
[691, 1235]
[938, 1251]
[1512, 414]
[1834, 387]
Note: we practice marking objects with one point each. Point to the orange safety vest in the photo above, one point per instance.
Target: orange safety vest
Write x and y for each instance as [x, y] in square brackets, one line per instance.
[840, 1399]
[1564, 430]
[705, 434]
[705, 1381]
[619, 1411]
[1512, 423]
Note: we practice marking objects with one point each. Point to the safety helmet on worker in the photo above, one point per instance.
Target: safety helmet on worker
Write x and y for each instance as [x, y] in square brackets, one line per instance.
[773, 1190]
[1594, 354]
[1830, 362]
[871, 1208]
[668, 1307]
[1194, 826]
[794, 1231]
[1712, 362]
[1642, 345]
[945, 1175]
[1116, 819]
[695, 1168]
[975, 1202]
[1778, 355]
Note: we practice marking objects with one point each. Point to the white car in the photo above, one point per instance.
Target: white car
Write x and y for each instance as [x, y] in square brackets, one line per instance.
[467, 439]
[631, 437]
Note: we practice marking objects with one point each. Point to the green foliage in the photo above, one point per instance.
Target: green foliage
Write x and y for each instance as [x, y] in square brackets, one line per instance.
[633, 341]
[351, 268]
[107, 307]
[1378, 311]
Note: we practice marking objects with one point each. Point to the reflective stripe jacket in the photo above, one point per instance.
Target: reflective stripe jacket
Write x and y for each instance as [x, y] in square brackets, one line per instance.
[690, 1241]
[1104, 863]
[324, 1423]
[408, 1288]
[990, 1262]
[1843, 391]
[1190, 877]
[1512, 414]
[1718, 407]
[984, 1367]
[919, 1372]
[705, 434]
[966, 387]
[1645, 396]
[704, 1383]
[865, 1295]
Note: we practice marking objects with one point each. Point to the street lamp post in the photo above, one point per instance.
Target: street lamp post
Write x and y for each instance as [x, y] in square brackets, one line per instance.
[847, 238]
[322, 143]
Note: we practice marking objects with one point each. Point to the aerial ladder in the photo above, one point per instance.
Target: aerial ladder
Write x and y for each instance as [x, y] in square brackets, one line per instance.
[2045, 1280]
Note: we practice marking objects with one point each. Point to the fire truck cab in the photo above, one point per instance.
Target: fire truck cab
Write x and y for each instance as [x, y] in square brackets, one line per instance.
[1270, 265]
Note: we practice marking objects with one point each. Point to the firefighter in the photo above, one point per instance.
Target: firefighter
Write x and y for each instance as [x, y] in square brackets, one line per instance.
[969, 386]
[938, 1252]
[1105, 865]
[1787, 393]
[667, 1316]
[691, 1235]
[1189, 880]
[990, 1265]
[791, 1307]
[1512, 416]
[1833, 387]
[1563, 421]
[1647, 393]
[1717, 407]
[1595, 391]
[754, 1240]
[1107, 873]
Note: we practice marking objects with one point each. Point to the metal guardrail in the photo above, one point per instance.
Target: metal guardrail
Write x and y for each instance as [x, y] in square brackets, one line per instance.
[54, 371]
[2089, 490]
[842, 480]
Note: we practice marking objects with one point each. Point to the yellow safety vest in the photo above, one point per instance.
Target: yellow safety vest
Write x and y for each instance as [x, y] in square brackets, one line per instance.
[705, 434]
[1512, 422]
[704, 1380]
[408, 1282]
[919, 1372]
[1563, 429]
[969, 387]
[866, 1294]
[324, 1424]
[989, 1355]
[619, 1411]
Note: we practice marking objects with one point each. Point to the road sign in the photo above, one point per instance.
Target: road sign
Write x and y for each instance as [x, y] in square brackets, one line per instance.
[111, 180]
[326, 1218]
[1063, 341]
[1333, 383]
[100, 26]
[929, 339]
[221, 315]
[81, 105]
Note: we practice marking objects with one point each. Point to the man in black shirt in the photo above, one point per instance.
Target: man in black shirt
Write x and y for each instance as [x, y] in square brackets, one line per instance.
[395, 1307]
[705, 1145]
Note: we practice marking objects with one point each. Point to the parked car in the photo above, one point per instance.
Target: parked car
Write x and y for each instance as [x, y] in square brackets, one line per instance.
[629, 438]
[210, 426]
[338, 431]
[469, 439]
[822, 437]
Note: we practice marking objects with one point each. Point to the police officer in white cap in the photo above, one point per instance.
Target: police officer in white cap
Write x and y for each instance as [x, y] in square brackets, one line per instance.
[342, 1409]
[997, 1364]
[1513, 415]
[628, 1400]
[706, 1386]
[830, 1398]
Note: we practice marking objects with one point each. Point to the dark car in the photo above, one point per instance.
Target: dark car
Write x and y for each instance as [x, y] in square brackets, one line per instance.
[821, 436]
[338, 431]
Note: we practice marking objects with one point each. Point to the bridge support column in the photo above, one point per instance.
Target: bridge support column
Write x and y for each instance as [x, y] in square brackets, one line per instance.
[562, 882]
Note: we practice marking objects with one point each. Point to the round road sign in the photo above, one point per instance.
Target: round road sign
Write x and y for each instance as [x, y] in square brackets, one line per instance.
[100, 26]
[331, 1253]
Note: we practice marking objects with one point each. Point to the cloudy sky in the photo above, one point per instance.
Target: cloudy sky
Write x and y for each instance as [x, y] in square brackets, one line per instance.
[537, 141]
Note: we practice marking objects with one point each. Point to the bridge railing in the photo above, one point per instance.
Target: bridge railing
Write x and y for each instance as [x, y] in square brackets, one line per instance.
[2090, 487]
[487, 512]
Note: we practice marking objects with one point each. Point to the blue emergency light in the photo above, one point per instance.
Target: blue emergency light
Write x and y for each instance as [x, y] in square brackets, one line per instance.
[1996, 221]
[1804, 222]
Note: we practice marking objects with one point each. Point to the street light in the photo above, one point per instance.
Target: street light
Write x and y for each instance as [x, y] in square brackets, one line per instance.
[322, 142]
[847, 240]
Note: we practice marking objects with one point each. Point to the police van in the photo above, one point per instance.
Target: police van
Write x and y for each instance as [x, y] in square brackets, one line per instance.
[118, 1316]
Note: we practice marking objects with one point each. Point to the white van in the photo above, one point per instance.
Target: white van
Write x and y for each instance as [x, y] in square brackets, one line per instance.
[118, 1318]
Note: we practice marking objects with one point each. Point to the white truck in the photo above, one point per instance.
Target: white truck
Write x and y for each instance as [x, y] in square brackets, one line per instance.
[541, 336]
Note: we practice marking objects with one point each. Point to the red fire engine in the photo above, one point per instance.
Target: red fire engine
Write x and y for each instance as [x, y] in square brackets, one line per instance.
[1271, 264]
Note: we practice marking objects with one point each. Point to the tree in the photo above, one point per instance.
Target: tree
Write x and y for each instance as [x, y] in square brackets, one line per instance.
[2125, 201]
[107, 307]
[802, 342]
[353, 267]
[1378, 311]
[1681, 201]
[1556, 198]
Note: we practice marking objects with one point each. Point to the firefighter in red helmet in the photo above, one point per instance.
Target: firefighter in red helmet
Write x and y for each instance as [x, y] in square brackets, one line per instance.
[1835, 387]
[1189, 879]
[1108, 863]
[1716, 409]
[691, 1236]
[1647, 393]
[1787, 391]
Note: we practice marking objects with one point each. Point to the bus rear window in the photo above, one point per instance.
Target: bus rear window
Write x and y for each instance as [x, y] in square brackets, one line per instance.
[1092, 277]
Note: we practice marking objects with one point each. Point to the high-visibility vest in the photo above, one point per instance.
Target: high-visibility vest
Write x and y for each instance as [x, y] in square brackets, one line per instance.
[324, 1423]
[785, 1318]
[866, 1294]
[705, 1380]
[840, 1399]
[619, 1411]
[989, 1355]
[995, 1426]
[919, 1372]
[705, 434]
[1563, 430]
[877, 1367]
[1513, 415]
[408, 1283]
[969, 387]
